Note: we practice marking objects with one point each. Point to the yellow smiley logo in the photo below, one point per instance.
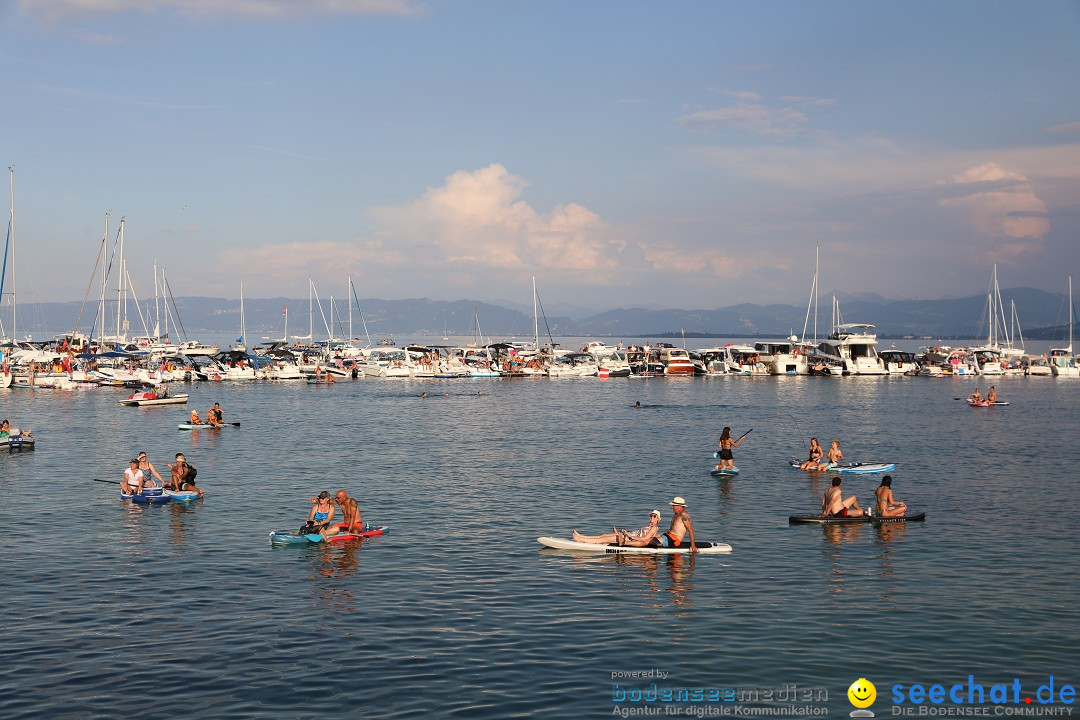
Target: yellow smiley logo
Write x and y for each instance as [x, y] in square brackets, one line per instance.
[862, 693]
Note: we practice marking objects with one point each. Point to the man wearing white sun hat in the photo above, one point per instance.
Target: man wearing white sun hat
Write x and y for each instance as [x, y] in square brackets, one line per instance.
[680, 526]
[673, 538]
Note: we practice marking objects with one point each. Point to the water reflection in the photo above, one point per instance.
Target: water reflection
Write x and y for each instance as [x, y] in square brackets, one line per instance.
[332, 562]
[180, 520]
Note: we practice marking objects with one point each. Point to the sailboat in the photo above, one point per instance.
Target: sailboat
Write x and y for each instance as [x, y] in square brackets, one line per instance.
[988, 357]
[1062, 361]
[7, 377]
[241, 364]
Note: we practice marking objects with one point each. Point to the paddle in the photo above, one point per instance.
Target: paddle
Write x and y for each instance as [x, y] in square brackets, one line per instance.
[745, 434]
[114, 482]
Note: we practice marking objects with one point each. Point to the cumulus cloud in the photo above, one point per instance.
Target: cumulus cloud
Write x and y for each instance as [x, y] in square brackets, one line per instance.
[58, 10]
[1001, 206]
[477, 218]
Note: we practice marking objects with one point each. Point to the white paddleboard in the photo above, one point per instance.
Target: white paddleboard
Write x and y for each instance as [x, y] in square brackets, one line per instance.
[565, 544]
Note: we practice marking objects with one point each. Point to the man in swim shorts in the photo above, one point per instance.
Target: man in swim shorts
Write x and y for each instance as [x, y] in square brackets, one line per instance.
[676, 532]
[833, 458]
[834, 504]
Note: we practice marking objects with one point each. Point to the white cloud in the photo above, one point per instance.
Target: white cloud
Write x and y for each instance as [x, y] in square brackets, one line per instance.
[803, 100]
[1002, 208]
[477, 219]
[281, 264]
[58, 10]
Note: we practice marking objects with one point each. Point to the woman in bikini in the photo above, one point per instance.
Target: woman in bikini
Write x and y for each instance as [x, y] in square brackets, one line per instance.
[887, 505]
[816, 453]
[727, 459]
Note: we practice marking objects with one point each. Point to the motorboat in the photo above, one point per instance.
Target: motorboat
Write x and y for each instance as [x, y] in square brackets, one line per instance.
[782, 357]
[898, 362]
[853, 346]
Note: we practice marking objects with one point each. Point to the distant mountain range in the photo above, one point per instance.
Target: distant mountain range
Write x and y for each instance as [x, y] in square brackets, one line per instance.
[1042, 316]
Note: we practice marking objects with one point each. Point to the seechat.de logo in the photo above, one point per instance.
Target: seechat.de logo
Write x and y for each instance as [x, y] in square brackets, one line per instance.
[862, 694]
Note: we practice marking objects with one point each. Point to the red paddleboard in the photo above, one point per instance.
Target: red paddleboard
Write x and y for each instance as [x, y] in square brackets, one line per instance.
[341, 537]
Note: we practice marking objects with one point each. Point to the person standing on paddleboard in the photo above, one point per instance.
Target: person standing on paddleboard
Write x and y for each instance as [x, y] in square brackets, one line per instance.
[727, 458]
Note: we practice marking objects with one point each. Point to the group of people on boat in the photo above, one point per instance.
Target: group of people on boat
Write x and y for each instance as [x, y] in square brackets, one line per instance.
[321, 518]
[7, 431]
[834, 504]
[650, 535]
[214, 417]
[142, 475]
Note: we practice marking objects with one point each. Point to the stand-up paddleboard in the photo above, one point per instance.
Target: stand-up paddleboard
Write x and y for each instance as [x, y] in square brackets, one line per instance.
[292, 537]
[147, 497]
[206, 426]
[983, 403]
[828, 520]
[182, 495]
[854, 468]
[715, 472]
[564, 544]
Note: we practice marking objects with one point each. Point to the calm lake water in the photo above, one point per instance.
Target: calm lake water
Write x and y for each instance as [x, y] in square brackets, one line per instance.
[111, 610]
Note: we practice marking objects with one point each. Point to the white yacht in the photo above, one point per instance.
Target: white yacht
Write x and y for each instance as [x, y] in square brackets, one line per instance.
[898, 362]
[854, 347]
[1062, 361]
[782, 357]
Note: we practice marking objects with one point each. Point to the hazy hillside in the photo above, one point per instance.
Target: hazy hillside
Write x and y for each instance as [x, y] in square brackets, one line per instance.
[1041, 314]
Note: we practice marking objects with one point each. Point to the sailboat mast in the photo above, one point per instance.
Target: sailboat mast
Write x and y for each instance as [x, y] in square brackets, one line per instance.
[157, 306]
[817, 288]
[243, 330]
[11, 221]
[349, 301]
[310, 313]
[536, 319]
[120, 280]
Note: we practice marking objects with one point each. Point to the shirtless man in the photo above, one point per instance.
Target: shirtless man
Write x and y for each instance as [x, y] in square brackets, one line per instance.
[834, 504]
[680, 526]
[833, 458]
[622, 536]
[887, 505]
[976, 396]
[350, 512]
[991, 395]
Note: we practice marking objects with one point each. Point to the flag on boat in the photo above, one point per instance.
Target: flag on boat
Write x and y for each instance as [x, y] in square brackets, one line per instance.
[286, 311]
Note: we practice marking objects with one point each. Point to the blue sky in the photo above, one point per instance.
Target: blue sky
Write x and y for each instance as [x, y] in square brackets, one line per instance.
[625, 153]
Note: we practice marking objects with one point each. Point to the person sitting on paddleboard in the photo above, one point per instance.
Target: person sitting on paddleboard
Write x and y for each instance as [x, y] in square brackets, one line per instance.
[350, 512]
[149, 470]
[133, 479]
[211, 418]
[976, 396]
[834, 504]
[216, 414]
[833, 457]
[887, 505]
[676, 532]
[620, 536]
[195, 418]
[991, 395]
[727, 459]
[182, 475]
[816, 453]
[321, 517]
